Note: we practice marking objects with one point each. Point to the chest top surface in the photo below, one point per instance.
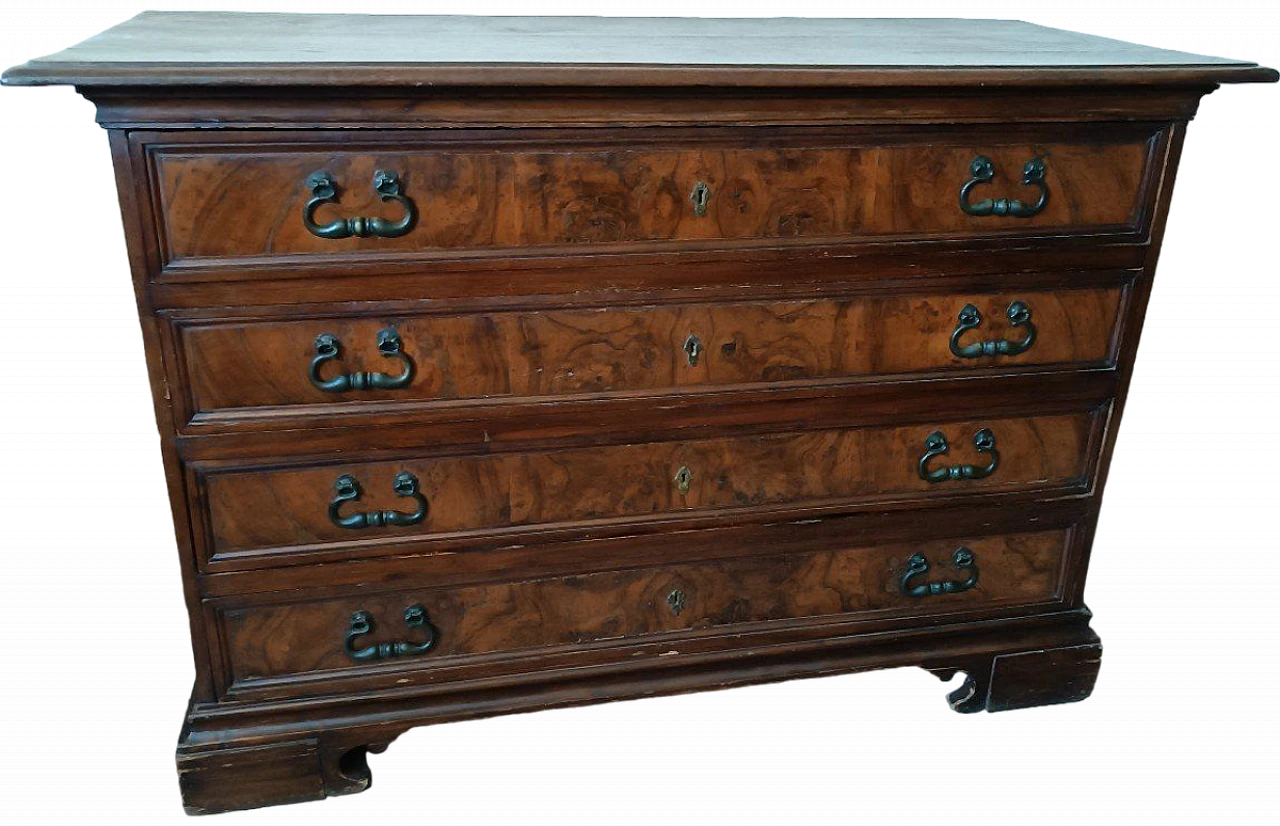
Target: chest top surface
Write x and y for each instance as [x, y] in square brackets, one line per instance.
[255, 49]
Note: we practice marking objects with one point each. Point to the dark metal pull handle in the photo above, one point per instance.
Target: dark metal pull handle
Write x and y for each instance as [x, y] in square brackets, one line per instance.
[964, 561]
[324, 190]
[390, 346]
[415, 617]
[700, 196]
[936, 445]
[348, 490]
[983, 171]
[1019, 315]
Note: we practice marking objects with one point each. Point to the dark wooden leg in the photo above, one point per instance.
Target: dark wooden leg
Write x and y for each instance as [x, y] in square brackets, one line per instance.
[1021, 679]
[228, 779]
[1041, 678]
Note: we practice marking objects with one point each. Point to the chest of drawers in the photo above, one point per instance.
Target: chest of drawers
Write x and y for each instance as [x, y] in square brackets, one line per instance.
[505, 364]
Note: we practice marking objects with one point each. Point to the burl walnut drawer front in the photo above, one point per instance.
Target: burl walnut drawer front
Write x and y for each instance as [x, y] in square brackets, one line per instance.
[294, 509]
[441, 194]
[284, 365]
[438, 628]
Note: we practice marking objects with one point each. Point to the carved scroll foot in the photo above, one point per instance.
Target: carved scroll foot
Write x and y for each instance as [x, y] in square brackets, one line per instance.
[1022, 679]
[229, 779]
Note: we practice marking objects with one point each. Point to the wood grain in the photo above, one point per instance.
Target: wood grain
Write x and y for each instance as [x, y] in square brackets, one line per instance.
[504, 617]
[231, 49]
[1061, 640]
[236, 37]
[281, 508]
[1041, 678]
[545, 293]
[333, 570]
[557, 353]
[247, 202]
[251, 777]
[456, 107]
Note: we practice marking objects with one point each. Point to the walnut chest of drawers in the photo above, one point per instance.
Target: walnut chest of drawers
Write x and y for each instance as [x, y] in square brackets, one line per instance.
[503, 364]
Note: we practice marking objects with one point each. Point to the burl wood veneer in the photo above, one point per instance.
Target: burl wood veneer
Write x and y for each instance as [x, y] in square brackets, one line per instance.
[504, 364]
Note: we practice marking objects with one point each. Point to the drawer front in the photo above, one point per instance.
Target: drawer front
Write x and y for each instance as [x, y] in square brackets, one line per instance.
[295, 509]
[282, 365]
[525, 193]
[460, 624]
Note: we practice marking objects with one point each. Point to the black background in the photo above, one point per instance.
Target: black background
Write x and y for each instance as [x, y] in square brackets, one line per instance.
[1165, 565]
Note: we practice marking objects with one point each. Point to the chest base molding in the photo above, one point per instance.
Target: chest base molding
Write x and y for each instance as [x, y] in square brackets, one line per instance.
[266, 754]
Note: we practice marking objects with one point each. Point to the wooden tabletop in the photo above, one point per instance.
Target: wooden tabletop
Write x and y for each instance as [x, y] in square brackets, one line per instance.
[217, 48]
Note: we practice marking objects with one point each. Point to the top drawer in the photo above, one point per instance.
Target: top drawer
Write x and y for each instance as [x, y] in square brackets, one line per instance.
[450, 195]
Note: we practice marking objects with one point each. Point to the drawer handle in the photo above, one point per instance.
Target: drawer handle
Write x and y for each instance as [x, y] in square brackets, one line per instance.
[390, 346]
[983, 171]
[1019, 315]
[415, 617]
[936, 445]
[964, 561]
[324, 190]
[348, 490]
[700, 196]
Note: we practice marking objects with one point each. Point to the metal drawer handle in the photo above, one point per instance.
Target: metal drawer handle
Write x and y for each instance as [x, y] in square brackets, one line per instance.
[700, 196]
[348, 490]
[324, 190]
[964, 561]
[1019, 315]
[936, 445]
[983, 171]
[415, 617]
[390, 346]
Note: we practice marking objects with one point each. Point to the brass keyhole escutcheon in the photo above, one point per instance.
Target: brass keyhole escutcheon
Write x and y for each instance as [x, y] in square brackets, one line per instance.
[693, 349]
[683, 478]
[700, 196]
[675, 601]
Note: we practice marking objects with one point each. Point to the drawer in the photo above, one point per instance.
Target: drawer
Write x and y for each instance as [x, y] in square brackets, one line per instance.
[445, 631]
[373, 506]
[268, 367]
[443, 194]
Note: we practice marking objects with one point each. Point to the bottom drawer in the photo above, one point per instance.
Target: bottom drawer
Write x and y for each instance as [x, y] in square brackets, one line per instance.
[443, 634]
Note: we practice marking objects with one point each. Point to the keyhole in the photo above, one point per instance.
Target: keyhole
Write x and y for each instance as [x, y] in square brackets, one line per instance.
[693, 349]
[684, 477]
[700, 195]
[675, 601]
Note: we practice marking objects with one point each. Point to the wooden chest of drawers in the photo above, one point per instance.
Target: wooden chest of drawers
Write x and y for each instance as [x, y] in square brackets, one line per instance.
[503, 364]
